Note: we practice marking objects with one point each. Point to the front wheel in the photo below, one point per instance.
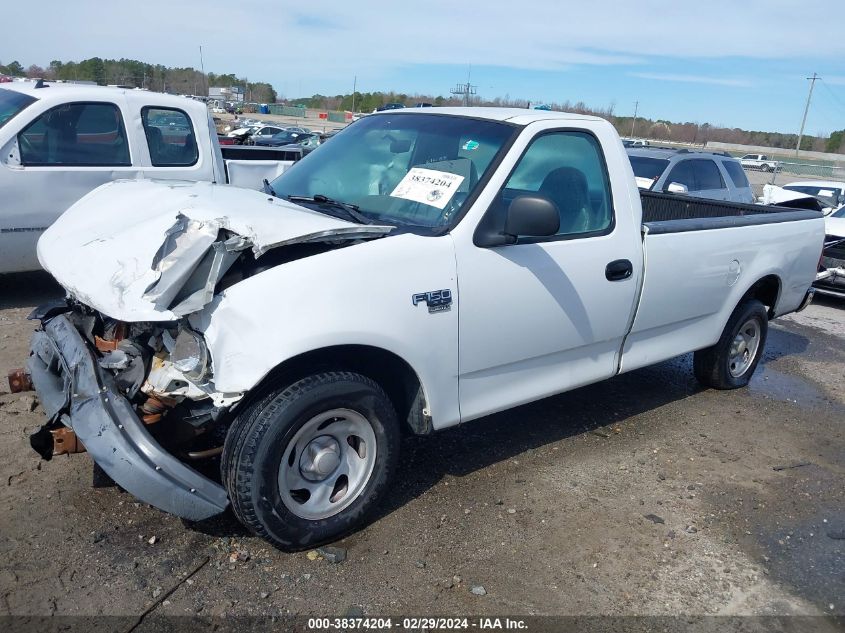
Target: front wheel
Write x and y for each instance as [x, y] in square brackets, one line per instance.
[308, 463]
[731, 362]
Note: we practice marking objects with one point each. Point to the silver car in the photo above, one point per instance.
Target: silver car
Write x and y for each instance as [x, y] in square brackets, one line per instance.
[700, 174]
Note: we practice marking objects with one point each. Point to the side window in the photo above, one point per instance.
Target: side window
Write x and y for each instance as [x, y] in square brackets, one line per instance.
[683, 174]
[170, 137]
[707, 174]
[569, 169]
[737, 173]
[81, 134]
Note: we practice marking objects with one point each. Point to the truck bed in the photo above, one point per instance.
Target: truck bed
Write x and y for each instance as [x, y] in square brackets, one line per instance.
[700, 257]
[672, 213]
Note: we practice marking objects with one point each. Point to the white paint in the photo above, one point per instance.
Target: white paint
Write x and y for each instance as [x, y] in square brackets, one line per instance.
[527, 320]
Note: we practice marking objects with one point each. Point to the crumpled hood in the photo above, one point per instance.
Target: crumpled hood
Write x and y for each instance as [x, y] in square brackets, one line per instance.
[117, 246]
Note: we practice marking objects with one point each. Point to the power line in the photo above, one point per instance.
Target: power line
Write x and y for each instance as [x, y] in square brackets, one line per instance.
[832, 94]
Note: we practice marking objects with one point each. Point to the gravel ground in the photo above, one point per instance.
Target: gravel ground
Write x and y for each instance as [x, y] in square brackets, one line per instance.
[640, 495]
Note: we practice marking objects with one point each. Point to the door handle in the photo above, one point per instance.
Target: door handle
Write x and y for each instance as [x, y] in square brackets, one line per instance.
[618, 270]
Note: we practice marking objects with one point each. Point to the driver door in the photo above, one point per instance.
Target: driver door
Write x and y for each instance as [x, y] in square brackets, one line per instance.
[545, 315]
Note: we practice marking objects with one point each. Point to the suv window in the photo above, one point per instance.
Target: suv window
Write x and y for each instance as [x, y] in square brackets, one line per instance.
[645, 167]
[84, 134]
[568, 168]
[682, 174]
[737, 173]
[707, 174]
[698, 174]
[170, 137]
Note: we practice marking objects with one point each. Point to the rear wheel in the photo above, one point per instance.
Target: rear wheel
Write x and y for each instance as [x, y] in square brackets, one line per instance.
[308, 463]
[731, 362]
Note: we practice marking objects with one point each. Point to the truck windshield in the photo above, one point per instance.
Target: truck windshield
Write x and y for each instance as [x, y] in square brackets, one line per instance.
[403, 169]
[11, 103]
[650, 168]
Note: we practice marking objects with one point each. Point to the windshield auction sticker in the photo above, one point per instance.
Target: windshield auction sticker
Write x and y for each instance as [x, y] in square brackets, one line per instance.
[434, 188]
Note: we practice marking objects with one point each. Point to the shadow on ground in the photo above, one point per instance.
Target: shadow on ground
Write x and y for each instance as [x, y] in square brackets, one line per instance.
[21, 290]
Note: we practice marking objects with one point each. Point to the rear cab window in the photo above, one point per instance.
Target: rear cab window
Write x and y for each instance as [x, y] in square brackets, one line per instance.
[90, 134]
[170, 137]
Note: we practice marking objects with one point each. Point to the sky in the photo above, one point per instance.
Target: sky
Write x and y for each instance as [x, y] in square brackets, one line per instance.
[737, 63]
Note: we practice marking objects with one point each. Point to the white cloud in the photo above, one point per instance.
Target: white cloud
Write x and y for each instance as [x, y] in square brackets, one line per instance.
[694, 79]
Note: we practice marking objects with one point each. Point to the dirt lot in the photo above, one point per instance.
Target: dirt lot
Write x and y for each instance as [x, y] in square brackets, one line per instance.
[640, 495]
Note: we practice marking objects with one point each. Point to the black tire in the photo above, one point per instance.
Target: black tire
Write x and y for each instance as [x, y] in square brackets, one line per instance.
[712, 366]
[766, 168]
[259, 437]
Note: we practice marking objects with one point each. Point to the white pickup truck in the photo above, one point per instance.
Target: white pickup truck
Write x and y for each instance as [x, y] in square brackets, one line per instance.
[759, 161]
[425, 268]
[60, 141]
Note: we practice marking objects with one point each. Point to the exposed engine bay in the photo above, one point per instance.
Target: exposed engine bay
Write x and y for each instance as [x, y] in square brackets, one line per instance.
[162, 369]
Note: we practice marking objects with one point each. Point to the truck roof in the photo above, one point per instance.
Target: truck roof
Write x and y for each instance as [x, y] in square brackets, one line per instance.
[62, 92]
[518, 116]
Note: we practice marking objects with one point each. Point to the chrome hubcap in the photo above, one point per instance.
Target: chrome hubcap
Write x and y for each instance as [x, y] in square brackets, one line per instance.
[744, 348]
[320, 458]
[327, 464]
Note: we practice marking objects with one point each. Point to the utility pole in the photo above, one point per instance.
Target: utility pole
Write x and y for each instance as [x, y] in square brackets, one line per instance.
[202, 68]
[806, 110]
[354, 89]
[634, 122]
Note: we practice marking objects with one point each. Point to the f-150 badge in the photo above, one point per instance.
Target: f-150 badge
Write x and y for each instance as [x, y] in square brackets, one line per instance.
[436, 300]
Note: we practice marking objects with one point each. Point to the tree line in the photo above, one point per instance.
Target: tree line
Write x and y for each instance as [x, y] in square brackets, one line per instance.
[659, 129]
[137, 74]
[130, 72]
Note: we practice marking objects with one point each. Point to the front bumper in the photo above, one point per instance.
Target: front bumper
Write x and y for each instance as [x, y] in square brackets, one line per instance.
[75, 391]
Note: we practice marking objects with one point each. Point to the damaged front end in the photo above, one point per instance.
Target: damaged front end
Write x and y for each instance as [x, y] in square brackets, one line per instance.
[134, 396]
[121, 366]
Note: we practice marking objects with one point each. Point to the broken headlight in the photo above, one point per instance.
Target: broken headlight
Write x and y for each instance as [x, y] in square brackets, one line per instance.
[189, 354]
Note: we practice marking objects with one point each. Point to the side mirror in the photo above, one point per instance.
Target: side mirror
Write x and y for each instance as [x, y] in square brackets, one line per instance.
[676, 187]
[534, 216]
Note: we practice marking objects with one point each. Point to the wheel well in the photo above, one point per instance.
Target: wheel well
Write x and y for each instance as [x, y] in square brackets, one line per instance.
[398, 379]
[766, 291]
